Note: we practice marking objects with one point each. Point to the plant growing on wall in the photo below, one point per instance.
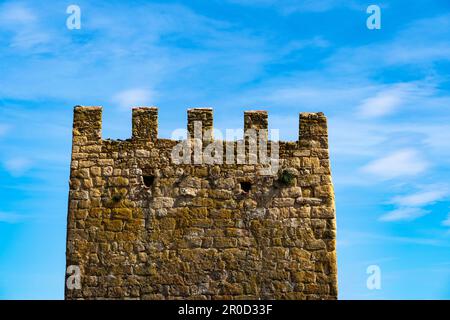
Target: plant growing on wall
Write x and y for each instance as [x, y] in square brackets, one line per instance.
[286, 178]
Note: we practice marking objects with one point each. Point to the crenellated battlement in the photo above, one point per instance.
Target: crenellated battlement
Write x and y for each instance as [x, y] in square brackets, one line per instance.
[145, 123]
[200, 218]
[88, 123]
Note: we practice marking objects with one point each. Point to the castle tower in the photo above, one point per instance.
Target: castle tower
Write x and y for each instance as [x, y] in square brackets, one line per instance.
[145, 227]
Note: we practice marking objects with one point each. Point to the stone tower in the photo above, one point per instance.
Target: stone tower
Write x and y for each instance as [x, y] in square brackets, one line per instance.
[141, 226]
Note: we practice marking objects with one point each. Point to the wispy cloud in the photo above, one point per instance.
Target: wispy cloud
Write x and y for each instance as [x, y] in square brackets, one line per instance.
[413, 206]
[165, 43]
[404, 214]
[388, 100]
[16, 13]
[418, 44]
[353, 238]
[421, 198]
[23, 25]
[17, 166]
[382, 104]
[135, 97]
[407, 162]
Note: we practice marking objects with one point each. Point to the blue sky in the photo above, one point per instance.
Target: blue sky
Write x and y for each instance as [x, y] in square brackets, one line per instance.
[386, 94]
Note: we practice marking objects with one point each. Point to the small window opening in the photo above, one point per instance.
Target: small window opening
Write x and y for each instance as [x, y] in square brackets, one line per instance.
[116, 198]
[148, 181]
[246, 186]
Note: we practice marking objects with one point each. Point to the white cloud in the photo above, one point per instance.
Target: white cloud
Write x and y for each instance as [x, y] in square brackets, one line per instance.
[25, 39]
[406, 162]
[15, 13]
[387, 100]
[380, 105]
[17, 166]
[9, 217]
[383, 103]
[419, 44]
[446, 222]
[420, 198]
[410, 207]
[135, 97]
[404, 214]
[24, 26]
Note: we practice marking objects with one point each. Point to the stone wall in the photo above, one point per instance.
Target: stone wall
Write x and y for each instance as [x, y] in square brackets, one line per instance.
[141, 227]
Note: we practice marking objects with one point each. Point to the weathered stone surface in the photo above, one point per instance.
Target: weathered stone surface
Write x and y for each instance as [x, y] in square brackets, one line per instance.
[188, 191]
[142, 227]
